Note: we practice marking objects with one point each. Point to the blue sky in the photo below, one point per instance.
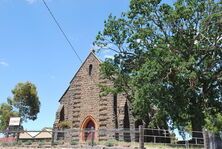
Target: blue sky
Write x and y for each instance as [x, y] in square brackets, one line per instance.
[33, 49]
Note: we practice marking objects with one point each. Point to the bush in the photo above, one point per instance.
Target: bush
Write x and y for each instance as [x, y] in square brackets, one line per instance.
[110, 143]
[14, 143]
[64, 124]
[74, 142]
[55, 143]
[91, 143]
[42, 142]
[4, 144]
[19, 143]
[7, 144]
[29, 142]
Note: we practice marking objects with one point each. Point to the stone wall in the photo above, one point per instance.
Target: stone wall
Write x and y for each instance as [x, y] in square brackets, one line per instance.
[82, 99]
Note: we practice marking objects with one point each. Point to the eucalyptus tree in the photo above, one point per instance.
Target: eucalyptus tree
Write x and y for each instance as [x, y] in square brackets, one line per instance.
[167, 60]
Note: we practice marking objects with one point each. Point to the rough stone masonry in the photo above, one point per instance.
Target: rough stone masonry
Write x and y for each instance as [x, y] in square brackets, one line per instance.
[83, 105]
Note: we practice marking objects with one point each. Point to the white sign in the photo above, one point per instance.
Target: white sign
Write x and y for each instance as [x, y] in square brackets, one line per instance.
[14, 121]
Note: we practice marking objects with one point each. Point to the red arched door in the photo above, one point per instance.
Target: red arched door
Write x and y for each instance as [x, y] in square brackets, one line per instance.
[89, 131]
[88, 128]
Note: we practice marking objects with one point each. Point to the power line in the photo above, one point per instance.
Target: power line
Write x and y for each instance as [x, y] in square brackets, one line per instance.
[64, 34]
[60, 28]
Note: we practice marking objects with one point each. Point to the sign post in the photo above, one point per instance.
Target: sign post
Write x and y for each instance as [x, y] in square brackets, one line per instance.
[14, 126]
[14, 121]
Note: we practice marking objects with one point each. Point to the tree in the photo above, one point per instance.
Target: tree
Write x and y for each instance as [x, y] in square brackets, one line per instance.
[214, 124]
[26, 100]
[6, 111]
[168, 60]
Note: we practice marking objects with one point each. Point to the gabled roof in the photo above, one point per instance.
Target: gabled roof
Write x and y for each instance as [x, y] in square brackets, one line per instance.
[25, 135]
[28, 134]
[43, 134]
[91, 53]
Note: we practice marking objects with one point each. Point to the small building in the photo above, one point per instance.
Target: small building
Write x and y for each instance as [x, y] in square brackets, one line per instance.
[45, 134]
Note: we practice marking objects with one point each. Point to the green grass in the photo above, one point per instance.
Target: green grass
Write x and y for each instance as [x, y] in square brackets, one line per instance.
[169, 146]
[110, 143]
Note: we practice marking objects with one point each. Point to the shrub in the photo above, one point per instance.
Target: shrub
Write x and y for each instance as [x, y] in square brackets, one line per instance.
[4, 144]
[64, 124]
[110, 143]
[19, 143]
[14, 143]
[42, 142]
[29, 142]
[55, 143]
[74, 142]
[91, 143]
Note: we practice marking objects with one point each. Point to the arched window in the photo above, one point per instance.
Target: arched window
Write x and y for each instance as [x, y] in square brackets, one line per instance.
[90, 69]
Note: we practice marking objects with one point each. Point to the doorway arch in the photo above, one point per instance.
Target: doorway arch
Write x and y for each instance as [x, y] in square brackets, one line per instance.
[88, 124]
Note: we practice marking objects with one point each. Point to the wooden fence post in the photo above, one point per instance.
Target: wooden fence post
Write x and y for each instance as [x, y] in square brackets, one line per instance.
[54, 135]
[92, 132]
[141, 137]
[206, 139]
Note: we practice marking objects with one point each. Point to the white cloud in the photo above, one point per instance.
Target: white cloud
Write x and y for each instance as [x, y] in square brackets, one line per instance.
[3, 63]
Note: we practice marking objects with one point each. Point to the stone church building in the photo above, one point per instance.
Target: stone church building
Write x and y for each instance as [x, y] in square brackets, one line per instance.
[83, 105]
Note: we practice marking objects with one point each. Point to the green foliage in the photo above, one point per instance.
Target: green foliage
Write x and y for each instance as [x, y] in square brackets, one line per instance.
[74, 142]
[5, 144]
[55, 143]
[58, 143]
[29, 142]
[6, 111]
[64, 124]
[8, 144]
[19, 143]
[168, 61]
[91, 143]
[26, 100]
[110, 143]
[14, 143]
[214, 124]
[41, 142]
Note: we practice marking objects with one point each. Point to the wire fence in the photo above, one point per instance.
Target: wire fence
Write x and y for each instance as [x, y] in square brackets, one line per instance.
[120, 138]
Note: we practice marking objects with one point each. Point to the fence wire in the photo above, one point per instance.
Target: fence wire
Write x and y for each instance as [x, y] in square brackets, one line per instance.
[76, 138]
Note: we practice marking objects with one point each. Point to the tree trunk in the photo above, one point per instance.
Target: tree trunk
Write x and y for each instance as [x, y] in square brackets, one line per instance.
[197, 125]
